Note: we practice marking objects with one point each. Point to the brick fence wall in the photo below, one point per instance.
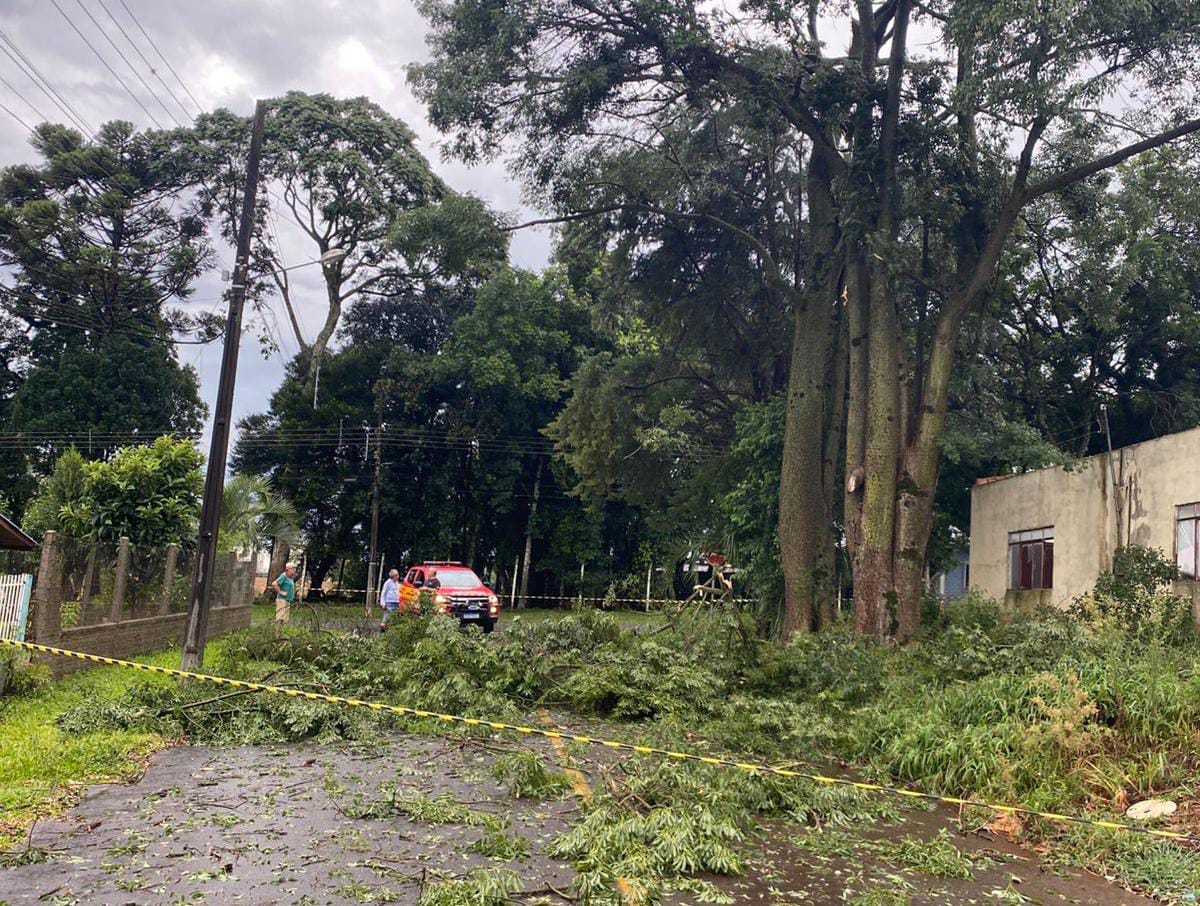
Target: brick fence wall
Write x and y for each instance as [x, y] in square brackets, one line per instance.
[121, 630]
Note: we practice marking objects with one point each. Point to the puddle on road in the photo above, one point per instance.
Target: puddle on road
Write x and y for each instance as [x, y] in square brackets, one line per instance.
[310, 824]
[873, 866]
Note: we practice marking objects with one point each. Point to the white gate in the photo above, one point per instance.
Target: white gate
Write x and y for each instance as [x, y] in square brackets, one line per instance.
[14, 606]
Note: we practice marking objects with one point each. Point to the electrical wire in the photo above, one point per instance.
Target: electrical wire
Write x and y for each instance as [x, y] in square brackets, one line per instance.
[65, 314]
[106, 65]
[166, 62]
[16, 117]
[27, 67]
[153, 71]
[120, 53]
[7, 84]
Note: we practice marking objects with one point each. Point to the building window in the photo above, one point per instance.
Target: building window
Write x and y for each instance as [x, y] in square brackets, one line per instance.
[1187, 534]
[1031, 559]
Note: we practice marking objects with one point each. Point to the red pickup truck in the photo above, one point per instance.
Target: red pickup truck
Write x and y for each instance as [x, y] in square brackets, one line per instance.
[459, 593]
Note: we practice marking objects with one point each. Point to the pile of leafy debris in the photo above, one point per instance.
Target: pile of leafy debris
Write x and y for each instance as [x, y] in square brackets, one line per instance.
[1052, 712]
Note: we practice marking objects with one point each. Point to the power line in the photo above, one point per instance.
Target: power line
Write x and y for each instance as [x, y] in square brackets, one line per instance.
[7, 84]
[153, 71]
[62, 314]
[43, 84]
[106, 65]
[120, 53]
[166, 62]
[16, 117]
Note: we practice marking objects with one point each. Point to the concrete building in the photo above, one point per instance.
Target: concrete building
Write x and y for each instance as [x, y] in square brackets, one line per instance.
[1045, 536]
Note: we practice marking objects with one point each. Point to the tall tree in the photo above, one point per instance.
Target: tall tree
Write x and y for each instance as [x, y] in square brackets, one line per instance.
[1101, 306]
[911, 188]
[342, 172]
[103, 244]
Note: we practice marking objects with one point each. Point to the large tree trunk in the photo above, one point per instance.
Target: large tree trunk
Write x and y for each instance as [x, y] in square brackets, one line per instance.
[333, 294]
[835, 421]
[857, 317]
[805, 538]
[874, 575]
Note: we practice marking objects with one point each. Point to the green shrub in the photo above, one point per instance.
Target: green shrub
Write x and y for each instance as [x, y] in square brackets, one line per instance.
[1134, 599]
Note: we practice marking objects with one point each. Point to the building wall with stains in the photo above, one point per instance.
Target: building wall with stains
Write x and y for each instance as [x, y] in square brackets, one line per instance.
[1152, 479]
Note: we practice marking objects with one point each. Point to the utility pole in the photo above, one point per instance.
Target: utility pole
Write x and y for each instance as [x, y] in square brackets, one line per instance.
[371, 574]
[1118, 483]
[214, 482]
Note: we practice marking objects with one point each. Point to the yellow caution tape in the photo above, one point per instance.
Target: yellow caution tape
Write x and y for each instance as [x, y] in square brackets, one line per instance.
[747, 766]
[509, 597]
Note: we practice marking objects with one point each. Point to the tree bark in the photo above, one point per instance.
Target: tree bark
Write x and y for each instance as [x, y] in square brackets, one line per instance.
[333, 293]
[805, 538]
[280, 551]
[857, 316]
[835, 421]
[874, 577]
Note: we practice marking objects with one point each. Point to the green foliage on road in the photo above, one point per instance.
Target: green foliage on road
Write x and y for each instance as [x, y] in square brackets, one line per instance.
[1057, 714]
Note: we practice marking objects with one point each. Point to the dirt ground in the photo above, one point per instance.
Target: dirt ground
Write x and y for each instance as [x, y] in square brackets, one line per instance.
[340, 824]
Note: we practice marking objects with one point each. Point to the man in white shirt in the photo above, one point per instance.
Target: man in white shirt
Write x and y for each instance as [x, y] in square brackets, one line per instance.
[389, 598]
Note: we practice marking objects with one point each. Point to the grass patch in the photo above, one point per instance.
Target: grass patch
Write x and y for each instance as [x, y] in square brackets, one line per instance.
[42, 767]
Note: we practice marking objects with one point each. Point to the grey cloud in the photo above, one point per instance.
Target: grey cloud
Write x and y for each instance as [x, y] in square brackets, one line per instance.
[229, 52]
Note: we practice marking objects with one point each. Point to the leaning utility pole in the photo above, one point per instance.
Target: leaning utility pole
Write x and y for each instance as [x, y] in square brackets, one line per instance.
[371, 574]
[218, 452]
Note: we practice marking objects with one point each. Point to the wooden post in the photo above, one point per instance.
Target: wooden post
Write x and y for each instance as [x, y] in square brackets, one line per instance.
[164, 605]
[47, 595]
[196, 630]
[120, 580]
[649, 574]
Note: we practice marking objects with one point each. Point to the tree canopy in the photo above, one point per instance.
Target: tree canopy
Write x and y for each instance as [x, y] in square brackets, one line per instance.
[103, 247]
[913, 167]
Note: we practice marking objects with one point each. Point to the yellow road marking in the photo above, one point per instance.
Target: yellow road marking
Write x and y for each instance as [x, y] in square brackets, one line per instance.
[579, 783]
[583, 792]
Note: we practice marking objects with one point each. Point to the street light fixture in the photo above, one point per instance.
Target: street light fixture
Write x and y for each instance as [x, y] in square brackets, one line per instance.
[332, 256]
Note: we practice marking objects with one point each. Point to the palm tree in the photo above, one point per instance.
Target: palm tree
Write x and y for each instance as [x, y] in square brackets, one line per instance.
[252, 513]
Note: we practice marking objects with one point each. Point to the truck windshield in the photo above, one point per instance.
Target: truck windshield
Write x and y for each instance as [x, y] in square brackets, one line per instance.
[458, 578]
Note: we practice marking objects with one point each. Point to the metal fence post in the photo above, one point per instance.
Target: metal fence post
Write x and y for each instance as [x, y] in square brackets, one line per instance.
[120, 580]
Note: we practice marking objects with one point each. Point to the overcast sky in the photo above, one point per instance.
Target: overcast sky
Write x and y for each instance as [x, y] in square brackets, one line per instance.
[229, 52]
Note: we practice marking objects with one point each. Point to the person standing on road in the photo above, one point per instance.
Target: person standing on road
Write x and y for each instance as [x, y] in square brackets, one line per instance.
[389, 598]
[285, 593]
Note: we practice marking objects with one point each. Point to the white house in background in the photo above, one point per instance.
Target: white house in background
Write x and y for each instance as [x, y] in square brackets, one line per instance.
[1045, 536]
